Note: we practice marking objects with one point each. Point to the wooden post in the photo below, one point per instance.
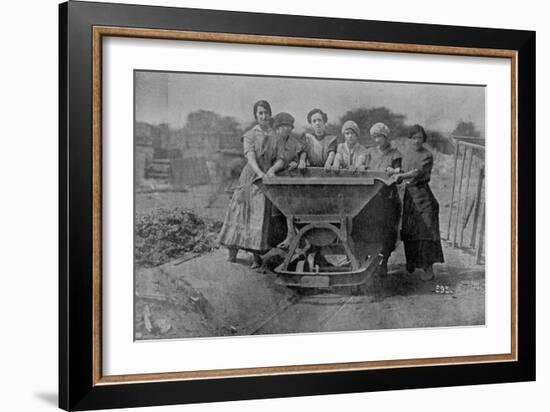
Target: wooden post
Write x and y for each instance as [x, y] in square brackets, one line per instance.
[452, 195]
[481, 243]
[480, 179]
[467, 210]
[459, 194]
[467, 215]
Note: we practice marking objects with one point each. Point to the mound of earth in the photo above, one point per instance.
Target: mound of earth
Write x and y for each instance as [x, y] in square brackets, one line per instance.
[165, 234]
[205, 296]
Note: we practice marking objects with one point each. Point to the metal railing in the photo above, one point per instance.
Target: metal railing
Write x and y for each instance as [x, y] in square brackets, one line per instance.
[467, 209]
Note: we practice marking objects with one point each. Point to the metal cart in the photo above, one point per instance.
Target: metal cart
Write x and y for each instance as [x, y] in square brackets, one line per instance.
[322, 206]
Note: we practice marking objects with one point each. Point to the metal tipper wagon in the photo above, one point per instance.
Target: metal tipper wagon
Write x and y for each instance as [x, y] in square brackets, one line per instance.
[322, 206]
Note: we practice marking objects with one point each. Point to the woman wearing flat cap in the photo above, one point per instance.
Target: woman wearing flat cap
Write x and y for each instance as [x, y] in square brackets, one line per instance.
[289, 151]
[290, 148]
[247, 222]
[350, 154]
[420, 227]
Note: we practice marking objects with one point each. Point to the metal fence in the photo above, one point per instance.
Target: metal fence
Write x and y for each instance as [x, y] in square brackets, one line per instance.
[466, 220]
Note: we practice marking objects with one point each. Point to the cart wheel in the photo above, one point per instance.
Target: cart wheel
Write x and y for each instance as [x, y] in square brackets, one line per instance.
[302, 291]
[308, 291]
[359, 290]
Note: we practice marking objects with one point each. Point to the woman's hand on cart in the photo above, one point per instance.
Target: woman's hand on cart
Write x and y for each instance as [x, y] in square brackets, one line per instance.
[399, 177]
[390, 171]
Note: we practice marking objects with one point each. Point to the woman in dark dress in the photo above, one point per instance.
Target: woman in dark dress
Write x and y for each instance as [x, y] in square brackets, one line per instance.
[380, 218]
[420, 223]
[289, 151]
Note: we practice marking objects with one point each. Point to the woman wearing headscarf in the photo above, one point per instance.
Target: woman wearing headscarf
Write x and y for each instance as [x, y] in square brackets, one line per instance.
[246, 225]
[383, 157]
[350, 154]
[420, 222]
[378, 222]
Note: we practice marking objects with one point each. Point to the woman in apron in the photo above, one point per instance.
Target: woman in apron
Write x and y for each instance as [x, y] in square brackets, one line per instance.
[320, 147]
[246, 225]
[351, 154]
[379, 220]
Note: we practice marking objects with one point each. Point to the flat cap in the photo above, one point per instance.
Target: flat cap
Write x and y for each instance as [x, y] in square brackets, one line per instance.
[283, 118]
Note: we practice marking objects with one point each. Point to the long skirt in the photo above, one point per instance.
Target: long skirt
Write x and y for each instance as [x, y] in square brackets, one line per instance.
[250, 222]
[420, 227]
[375, 228]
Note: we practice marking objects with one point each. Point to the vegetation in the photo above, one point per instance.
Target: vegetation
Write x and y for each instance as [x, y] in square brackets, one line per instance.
[466, 129]
[205, 122]
[367, 117]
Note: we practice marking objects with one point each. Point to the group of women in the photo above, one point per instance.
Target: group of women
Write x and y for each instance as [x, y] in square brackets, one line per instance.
[269, 147]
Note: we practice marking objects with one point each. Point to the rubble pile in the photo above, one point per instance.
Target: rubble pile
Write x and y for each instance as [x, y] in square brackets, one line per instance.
[167, 234]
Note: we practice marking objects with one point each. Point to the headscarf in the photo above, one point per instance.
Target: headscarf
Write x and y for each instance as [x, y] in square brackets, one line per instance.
[350, 124]
[379, 128]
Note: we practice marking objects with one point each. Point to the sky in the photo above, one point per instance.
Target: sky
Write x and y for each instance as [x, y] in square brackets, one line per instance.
[168, 97]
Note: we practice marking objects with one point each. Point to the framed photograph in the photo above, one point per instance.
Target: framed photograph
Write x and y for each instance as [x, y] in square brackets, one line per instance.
[257, 206]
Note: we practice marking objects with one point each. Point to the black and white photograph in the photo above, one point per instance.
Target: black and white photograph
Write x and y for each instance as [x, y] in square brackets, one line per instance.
[275, 206]
[287, 205]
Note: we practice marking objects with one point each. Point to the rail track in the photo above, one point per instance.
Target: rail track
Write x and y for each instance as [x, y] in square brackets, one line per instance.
[308, 313]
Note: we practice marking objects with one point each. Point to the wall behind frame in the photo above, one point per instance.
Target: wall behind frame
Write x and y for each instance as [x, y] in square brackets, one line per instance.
[28, 215]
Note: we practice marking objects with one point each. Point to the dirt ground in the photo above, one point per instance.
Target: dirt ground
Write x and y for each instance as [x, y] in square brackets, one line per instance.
[206, 201]
[208, 296]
